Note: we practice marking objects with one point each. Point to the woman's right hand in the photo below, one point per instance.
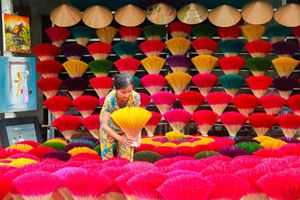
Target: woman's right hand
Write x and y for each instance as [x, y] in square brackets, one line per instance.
[126, 141]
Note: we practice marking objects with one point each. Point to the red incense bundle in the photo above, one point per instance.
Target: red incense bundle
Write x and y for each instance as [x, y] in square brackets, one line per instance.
[152, 123]
[245, 103]
[127, 65]
[204, 82]
[153, 82]
[190, 100]
[233, 122]
[102, 85]
[58, 105]
[272, 103]
[86, 104]
[205, 119]
[49, 68]
[218, 101]
[49, 86]
[259, 84]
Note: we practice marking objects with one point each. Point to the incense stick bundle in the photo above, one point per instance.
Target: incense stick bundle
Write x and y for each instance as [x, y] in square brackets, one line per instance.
[106, 34]
[152, 47]
[253, 32]
[58, 35]
[99, 50]
[153, 64]
[258, 48]
[178, 81]
[205, 63]
[179, 63]
[204, 46]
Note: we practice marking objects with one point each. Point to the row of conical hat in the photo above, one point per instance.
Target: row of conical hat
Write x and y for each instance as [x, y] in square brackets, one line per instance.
[256, 12]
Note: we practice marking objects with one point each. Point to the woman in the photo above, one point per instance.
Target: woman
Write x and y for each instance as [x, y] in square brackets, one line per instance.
[122, 95]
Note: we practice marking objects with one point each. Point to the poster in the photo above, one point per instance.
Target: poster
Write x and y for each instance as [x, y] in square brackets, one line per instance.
[16, 33]
[18, 83]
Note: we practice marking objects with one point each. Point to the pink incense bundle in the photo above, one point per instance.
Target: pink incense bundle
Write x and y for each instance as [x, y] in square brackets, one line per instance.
[86, 104]
[261, 122]
[227, 33]
[258, 48]
[49, 68]
[35, 185]
[152, 47]
[245, 103]
[205, 119]
[179, 29]
[163, 100]
[190, 100]
[218, 101]
[289, 124]
[204, 46]
[177, 118]
[294, 103]
[127, 65]
[130, 33]
[58, 105]
[67, 125]
[232, 64]
[204, 82]
[92, 124]
[49, 86]
[58, 35]
[153, 82]
[272, 103]
[99, 50]
[145, 99]
[233, 122]
[45, 51]
[259, 84]
[102, 85]
[152, 123]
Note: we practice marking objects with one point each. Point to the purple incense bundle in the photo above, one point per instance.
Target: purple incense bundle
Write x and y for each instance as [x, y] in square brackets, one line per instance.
[176, 153]
[285, 48]
[285, 85]
[179, 63]
[233, 151]
[59, 155]
[73, 51]
[76, 86]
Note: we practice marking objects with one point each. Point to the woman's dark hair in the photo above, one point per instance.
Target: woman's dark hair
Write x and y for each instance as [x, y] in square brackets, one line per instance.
[122, 81]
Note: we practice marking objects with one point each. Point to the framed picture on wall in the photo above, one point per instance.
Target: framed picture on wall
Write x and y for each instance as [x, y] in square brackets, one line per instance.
[14, 130]
[18, 84]
[16, 33]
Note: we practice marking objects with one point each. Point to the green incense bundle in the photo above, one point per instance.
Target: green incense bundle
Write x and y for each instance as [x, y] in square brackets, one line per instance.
[155, 32]
[231, 47]
[231, 83]
[204, 30]
[82, 34]
[100, 67]
[125, 49]
[258, 65]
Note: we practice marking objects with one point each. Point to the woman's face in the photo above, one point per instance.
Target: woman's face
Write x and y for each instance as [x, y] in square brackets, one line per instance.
[124, 94]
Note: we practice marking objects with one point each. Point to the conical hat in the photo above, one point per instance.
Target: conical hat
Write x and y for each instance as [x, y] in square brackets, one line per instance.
[288, 15]
[65, 15]
[97, 16]
[130, 15]
[257, 12]
[224, 16]
[160, 13]
[192, 13]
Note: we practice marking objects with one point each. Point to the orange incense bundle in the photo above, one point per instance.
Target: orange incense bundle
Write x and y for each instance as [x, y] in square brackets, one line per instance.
[58, 105]
[261, 122]
[67, 125]
[163, 100]
[102, 85]
[177, 118]
[152, 47]
[204, 63]
[58, 35]
[178, 46]
[232, 64]
[253, 32]
[205, 119]
[245, 103]
[145, 99]
[153, 64]
[152, 123]
[231, 32]
[49, 68]
[153, 83]
[127, 65]
[218, 101]
[45, 51]
[190, 100]
[258, 48]
[204, 82]
[259, 84]
[204, 46]
[178, 81]
[130, 33]
[85, 104]
[99, 50]
[49, 86]
[92, 124]
[272, 103]
[75, 68]
[179, 29]
[233, 122]
[294, 103]
[289, 124]
[285, 65]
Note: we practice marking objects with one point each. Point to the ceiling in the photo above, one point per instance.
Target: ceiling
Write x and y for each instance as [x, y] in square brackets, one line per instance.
[115, 4]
